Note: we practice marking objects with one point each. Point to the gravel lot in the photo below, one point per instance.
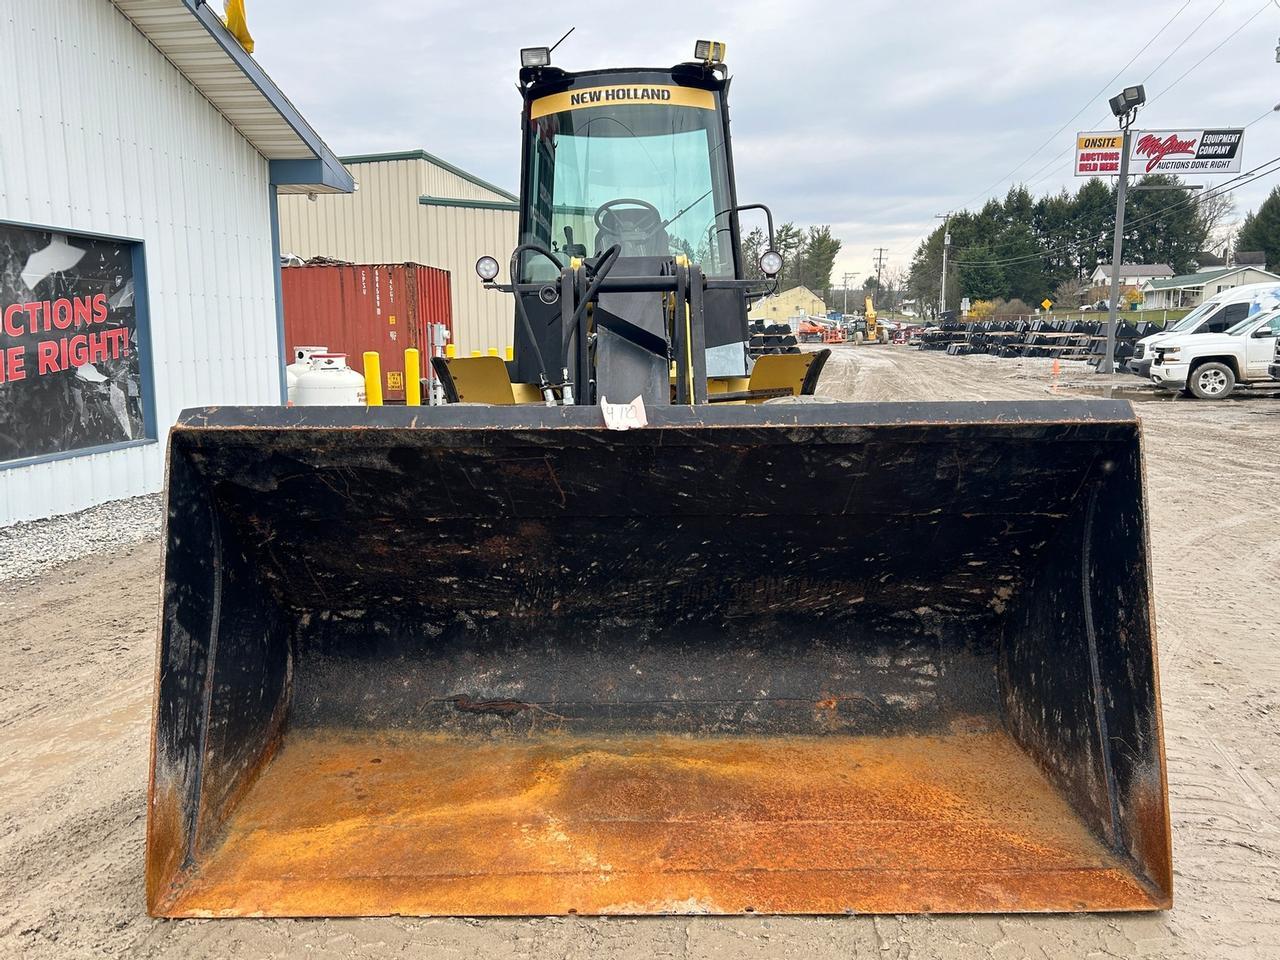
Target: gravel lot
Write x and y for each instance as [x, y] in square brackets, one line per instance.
[77, 657]
[28, 549]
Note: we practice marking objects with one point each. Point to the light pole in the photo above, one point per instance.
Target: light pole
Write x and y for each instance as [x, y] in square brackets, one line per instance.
[1125, 106]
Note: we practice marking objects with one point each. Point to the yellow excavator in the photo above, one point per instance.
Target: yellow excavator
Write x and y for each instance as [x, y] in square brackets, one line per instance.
[591, 640]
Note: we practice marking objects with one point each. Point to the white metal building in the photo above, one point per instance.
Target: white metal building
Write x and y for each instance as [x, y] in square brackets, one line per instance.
[415, 207]
[141, 151]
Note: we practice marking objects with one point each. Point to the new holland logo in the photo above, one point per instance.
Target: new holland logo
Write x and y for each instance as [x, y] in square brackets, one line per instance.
[623, 95]
[614, 94]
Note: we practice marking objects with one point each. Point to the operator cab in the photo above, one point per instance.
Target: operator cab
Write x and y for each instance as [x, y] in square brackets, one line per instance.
[635, 158]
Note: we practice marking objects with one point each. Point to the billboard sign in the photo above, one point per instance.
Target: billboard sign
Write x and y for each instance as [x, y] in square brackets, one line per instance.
[1160, 151]
[1186, 151]
[70, 371]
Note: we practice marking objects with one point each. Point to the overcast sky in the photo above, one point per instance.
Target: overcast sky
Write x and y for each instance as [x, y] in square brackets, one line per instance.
[872, 117]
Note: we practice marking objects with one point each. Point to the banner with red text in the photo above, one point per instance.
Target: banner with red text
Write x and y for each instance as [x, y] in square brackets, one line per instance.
[70, 376]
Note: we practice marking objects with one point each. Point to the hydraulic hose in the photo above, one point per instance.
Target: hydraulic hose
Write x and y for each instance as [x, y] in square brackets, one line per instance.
[543, 381]
[602, 268]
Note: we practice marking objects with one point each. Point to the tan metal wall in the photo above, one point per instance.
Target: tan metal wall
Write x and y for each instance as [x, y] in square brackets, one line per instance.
[383, 222]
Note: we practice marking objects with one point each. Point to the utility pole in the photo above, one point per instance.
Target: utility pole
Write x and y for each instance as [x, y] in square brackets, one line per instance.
[946, 249]
[880, 252]
[847, 278]
[1124, 106]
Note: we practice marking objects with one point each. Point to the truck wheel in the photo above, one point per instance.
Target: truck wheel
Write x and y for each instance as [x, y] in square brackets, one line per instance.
[1212, 381]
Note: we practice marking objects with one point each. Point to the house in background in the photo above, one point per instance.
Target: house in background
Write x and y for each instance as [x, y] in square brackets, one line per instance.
[795, 302]
[1132, 277]
[1190, 289]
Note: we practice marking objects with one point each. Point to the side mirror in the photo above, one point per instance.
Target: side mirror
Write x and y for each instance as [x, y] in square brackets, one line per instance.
[1265, 331]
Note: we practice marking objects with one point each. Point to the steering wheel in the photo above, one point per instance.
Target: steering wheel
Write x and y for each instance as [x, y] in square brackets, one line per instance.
[648, 224]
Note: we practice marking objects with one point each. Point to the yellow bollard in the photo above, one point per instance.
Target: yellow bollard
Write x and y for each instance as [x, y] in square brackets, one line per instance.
[412, 379]
[493, 351]
[450, 351]
[511, 354]
[372, 379]
[476, 353]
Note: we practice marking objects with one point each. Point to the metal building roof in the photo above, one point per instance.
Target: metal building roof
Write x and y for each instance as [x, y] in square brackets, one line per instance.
[395, 155]
[1200, 279]
[194, 39]
[1138, 271]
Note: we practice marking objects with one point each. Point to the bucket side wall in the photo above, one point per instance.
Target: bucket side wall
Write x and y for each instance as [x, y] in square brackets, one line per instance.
[222, 677]
[1077, 669]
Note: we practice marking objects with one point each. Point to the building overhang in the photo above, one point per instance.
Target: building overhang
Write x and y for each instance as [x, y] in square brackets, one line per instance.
[191, 36]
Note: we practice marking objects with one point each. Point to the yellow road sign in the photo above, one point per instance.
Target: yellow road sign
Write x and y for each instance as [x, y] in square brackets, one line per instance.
[1046, 303]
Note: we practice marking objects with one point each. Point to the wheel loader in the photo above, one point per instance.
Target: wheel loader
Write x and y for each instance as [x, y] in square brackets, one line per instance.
[519, 654]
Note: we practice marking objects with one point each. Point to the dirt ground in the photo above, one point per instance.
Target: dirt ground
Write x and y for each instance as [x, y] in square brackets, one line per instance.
[76, 661]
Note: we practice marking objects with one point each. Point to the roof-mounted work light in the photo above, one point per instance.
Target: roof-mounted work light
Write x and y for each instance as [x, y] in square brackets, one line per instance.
[535, 57]
[709, 51]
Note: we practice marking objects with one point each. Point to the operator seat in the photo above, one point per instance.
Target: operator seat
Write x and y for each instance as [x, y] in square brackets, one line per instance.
[633, 231]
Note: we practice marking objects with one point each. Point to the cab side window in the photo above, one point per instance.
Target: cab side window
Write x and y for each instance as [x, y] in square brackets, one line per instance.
[1225, 318]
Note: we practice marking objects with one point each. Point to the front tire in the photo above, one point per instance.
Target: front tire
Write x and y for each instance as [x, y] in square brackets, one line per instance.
[1212, 381]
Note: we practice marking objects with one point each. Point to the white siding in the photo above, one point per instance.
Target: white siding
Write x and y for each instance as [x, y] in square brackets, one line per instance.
[383, 222]
[100, 133]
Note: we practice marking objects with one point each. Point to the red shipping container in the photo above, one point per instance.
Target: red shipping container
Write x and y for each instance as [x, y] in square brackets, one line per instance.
[351, 308]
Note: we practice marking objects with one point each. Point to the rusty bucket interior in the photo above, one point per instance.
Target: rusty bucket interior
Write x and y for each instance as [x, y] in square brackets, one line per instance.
[830, 658]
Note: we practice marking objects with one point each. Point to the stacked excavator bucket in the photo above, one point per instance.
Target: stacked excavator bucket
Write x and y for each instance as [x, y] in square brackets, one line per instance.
[799, 658]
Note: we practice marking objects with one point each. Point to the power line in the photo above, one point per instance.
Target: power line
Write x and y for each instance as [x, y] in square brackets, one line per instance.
[1194, 30]
[1211, 192]
[1220, 45]
[1105, 87]
[1246, 178]
[1262, 117]
[1036, 179]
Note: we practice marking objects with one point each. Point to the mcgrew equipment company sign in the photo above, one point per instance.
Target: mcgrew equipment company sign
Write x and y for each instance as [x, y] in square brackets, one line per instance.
[1160, 151]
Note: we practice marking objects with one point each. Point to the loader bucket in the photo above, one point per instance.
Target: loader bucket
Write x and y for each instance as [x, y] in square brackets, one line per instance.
[787, 658]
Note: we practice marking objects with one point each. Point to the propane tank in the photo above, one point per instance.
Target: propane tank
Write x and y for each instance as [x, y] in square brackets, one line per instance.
[329, 382]
[301, 364]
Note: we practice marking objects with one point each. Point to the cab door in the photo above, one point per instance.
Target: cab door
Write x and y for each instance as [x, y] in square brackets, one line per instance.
[1224, 319]
[1260, 348]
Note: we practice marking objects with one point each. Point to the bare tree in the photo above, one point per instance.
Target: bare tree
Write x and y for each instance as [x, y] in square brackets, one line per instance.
[1217, 211]
[1070, 292]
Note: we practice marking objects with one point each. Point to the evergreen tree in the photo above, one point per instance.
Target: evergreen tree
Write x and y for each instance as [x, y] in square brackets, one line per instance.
[753, 245]
[980, 278]
[1261, 230]
[821, 249]
[1166, 227]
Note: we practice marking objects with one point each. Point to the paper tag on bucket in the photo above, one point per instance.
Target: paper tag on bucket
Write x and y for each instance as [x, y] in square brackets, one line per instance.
[624, 416]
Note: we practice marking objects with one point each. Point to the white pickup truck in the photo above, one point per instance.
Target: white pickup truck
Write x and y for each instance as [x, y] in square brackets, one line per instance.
[1210, 366]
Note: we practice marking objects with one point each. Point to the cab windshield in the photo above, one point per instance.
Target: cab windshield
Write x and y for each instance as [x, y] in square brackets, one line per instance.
[649, 175]
[1247, 324]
